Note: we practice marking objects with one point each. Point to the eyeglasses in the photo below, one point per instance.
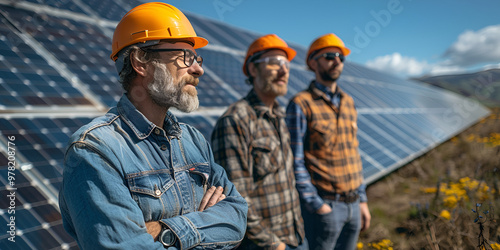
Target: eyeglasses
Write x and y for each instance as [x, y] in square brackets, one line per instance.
[331, 56]
[274, 62]
[189, 56]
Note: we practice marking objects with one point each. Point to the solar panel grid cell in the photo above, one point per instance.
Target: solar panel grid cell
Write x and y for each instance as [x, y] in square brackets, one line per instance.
[223, 66]
[385, 139]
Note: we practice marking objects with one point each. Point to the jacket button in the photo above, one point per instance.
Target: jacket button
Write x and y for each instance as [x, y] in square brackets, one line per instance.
[157, 192]
[163, 147]
[157, 131]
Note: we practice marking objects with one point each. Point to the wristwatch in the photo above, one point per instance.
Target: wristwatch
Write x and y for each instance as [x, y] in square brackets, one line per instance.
[167, 237]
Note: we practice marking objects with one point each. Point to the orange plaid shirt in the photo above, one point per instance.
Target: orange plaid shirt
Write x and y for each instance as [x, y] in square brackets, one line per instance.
[330, 146]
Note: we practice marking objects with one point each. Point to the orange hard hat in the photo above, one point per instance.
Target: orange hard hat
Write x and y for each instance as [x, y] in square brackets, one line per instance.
[264, 43]
[325, 41]
[153, 21]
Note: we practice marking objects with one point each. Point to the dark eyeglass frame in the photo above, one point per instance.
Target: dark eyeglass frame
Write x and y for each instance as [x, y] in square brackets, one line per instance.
[188, 63]
[331, 56]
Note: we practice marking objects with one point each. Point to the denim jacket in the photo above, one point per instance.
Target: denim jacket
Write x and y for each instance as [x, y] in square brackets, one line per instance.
[121, 171]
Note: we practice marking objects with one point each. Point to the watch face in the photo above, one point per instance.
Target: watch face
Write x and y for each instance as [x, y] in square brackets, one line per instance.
[167, 238]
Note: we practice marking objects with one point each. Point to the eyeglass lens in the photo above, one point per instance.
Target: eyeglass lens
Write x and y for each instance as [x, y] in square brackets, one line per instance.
[189, 58]
[275, 63]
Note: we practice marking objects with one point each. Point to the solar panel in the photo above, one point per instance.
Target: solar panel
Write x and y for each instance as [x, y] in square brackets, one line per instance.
[26, 80]
[39, 149]
[56, 75]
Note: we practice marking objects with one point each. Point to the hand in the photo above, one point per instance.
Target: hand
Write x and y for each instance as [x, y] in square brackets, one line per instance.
[365, 216]
[281, 246]
[211, 197]
[324, 209]
[154, 228]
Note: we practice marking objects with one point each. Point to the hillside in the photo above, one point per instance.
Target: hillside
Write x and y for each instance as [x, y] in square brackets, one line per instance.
[407, 210]
[430, 202]
[483, 86]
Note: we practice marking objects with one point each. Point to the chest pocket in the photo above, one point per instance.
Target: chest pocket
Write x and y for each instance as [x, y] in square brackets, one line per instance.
[199, 175]
[266, 154]
[322, 134]
[155, 194]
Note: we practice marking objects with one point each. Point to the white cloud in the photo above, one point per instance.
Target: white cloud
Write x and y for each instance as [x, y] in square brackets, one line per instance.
[475, 47]
[472, 48]
[445, 70]
[399, 65]
[491, 66]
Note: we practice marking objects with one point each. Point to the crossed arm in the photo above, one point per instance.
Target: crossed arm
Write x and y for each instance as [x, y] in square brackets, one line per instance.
[99, 212]
[211, 197]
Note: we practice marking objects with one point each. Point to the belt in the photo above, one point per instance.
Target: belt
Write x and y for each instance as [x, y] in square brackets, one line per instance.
[348, 197]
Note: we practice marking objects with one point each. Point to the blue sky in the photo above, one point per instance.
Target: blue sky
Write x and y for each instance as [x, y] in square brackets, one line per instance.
[405, 37]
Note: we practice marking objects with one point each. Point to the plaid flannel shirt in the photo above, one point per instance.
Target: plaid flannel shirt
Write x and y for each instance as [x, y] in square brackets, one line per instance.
[253, 145]
[323, 135]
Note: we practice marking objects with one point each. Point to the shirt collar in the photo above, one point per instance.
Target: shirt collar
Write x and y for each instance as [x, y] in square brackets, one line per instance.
[260, 108]
[324, 91]
[141, 126]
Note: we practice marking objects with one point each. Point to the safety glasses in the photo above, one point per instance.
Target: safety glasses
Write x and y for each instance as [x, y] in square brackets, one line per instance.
[274, 62]
[331, 56]
[189, 56]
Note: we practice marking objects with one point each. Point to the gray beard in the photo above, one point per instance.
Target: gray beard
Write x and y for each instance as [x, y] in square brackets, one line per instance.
[165, 93]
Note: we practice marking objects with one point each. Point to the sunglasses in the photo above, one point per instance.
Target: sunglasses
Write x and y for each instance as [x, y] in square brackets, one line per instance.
[189, 56]
[331, 56]
[274, 62]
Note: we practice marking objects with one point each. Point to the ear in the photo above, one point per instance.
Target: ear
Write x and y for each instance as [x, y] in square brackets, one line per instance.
[252, 70]
[314, 64]
[138, 66]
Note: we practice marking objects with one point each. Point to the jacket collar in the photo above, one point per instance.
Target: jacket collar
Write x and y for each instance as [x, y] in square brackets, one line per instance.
[140, 125]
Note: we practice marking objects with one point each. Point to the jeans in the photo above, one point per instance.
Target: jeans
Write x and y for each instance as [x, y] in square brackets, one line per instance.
[338, 229]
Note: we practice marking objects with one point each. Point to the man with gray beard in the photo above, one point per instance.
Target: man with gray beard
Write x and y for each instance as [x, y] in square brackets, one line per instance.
[136, 178]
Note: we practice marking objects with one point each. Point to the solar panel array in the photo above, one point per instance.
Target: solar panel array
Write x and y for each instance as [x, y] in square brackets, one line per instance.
[55, 76]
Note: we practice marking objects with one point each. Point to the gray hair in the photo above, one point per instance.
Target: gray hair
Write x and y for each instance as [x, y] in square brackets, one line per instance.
[128, 73]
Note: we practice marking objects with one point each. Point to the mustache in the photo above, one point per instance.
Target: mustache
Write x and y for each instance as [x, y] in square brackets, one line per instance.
[191, 81]
[284, 79]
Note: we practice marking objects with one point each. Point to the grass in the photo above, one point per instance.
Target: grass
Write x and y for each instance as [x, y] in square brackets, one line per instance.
[409, 212]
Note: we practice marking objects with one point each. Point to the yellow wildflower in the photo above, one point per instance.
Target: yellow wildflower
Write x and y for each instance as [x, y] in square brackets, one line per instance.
[471, 137]
[450, 201]
[429, 190]
[359, 246]
[445, 214]
[495, 246]
[384, 244]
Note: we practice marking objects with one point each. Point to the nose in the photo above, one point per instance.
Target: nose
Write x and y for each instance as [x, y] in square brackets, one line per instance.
[337, 60]
[195, 69]
[284, 69]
